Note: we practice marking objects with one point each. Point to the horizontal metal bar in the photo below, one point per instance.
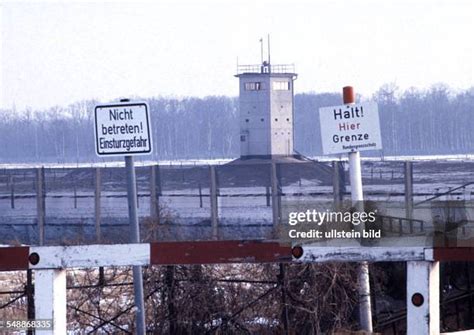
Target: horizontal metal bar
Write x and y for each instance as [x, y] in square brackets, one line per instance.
[95, 255]
[217, 252]
[212, 252]
[14, 258]
[454, 253]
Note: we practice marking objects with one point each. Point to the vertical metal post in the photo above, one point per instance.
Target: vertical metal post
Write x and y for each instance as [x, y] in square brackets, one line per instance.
[153, 202]
[135, 238]
[267, 195]
[365, 308]
[357, 197]
[74, 194]
[423, 298]
[40, 203]
[275, 196]
[200, 195]
[50, 296]
[409, 192]
[470, 318]
[138, 195]
[456, 309]
[214, 204]
[282, 282]
[355, 175]
[337, 184]
[101, 276]
[12, 191]
[170, 292]
[30, 300]
[153, 199]
[97, 195]
[158, 189]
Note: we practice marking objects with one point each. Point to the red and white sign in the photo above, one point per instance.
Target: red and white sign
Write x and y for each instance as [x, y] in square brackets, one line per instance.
[350, 128]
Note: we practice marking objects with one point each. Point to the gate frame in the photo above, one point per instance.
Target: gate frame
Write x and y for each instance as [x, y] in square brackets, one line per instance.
[50, 263]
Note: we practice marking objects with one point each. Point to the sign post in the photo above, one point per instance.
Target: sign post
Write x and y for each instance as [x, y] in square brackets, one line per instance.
[357, 197]
[351, 128]
[124, 129]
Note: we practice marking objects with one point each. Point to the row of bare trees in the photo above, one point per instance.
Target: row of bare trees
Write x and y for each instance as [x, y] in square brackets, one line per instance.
[433, 121]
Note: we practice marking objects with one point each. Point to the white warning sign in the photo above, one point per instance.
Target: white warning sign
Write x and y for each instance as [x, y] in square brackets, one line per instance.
[348, 128]
[122, 129]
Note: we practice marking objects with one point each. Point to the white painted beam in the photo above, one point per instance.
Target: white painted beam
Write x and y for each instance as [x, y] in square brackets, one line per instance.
[423, 278]
[95, 255]
[50, 300]
[55, 257]
[360, 254]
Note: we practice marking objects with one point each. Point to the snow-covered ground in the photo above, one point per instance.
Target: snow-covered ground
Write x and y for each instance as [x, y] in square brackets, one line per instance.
[239, 206]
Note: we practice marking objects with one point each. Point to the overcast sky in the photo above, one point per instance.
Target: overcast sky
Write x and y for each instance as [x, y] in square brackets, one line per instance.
[56, 53]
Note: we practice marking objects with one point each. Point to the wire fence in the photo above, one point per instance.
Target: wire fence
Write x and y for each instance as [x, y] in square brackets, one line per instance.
[84, 205]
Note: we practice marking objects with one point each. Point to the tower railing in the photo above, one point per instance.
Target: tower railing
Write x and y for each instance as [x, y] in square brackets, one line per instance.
[260, 68]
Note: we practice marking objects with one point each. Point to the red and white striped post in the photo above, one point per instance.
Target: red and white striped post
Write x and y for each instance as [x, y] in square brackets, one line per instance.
[357, 197]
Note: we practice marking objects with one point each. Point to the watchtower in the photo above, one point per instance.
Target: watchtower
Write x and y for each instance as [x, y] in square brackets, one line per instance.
[266, 110]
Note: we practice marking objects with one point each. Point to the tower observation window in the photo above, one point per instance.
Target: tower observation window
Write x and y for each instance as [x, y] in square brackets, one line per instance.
[281, 85]
[253, 86]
